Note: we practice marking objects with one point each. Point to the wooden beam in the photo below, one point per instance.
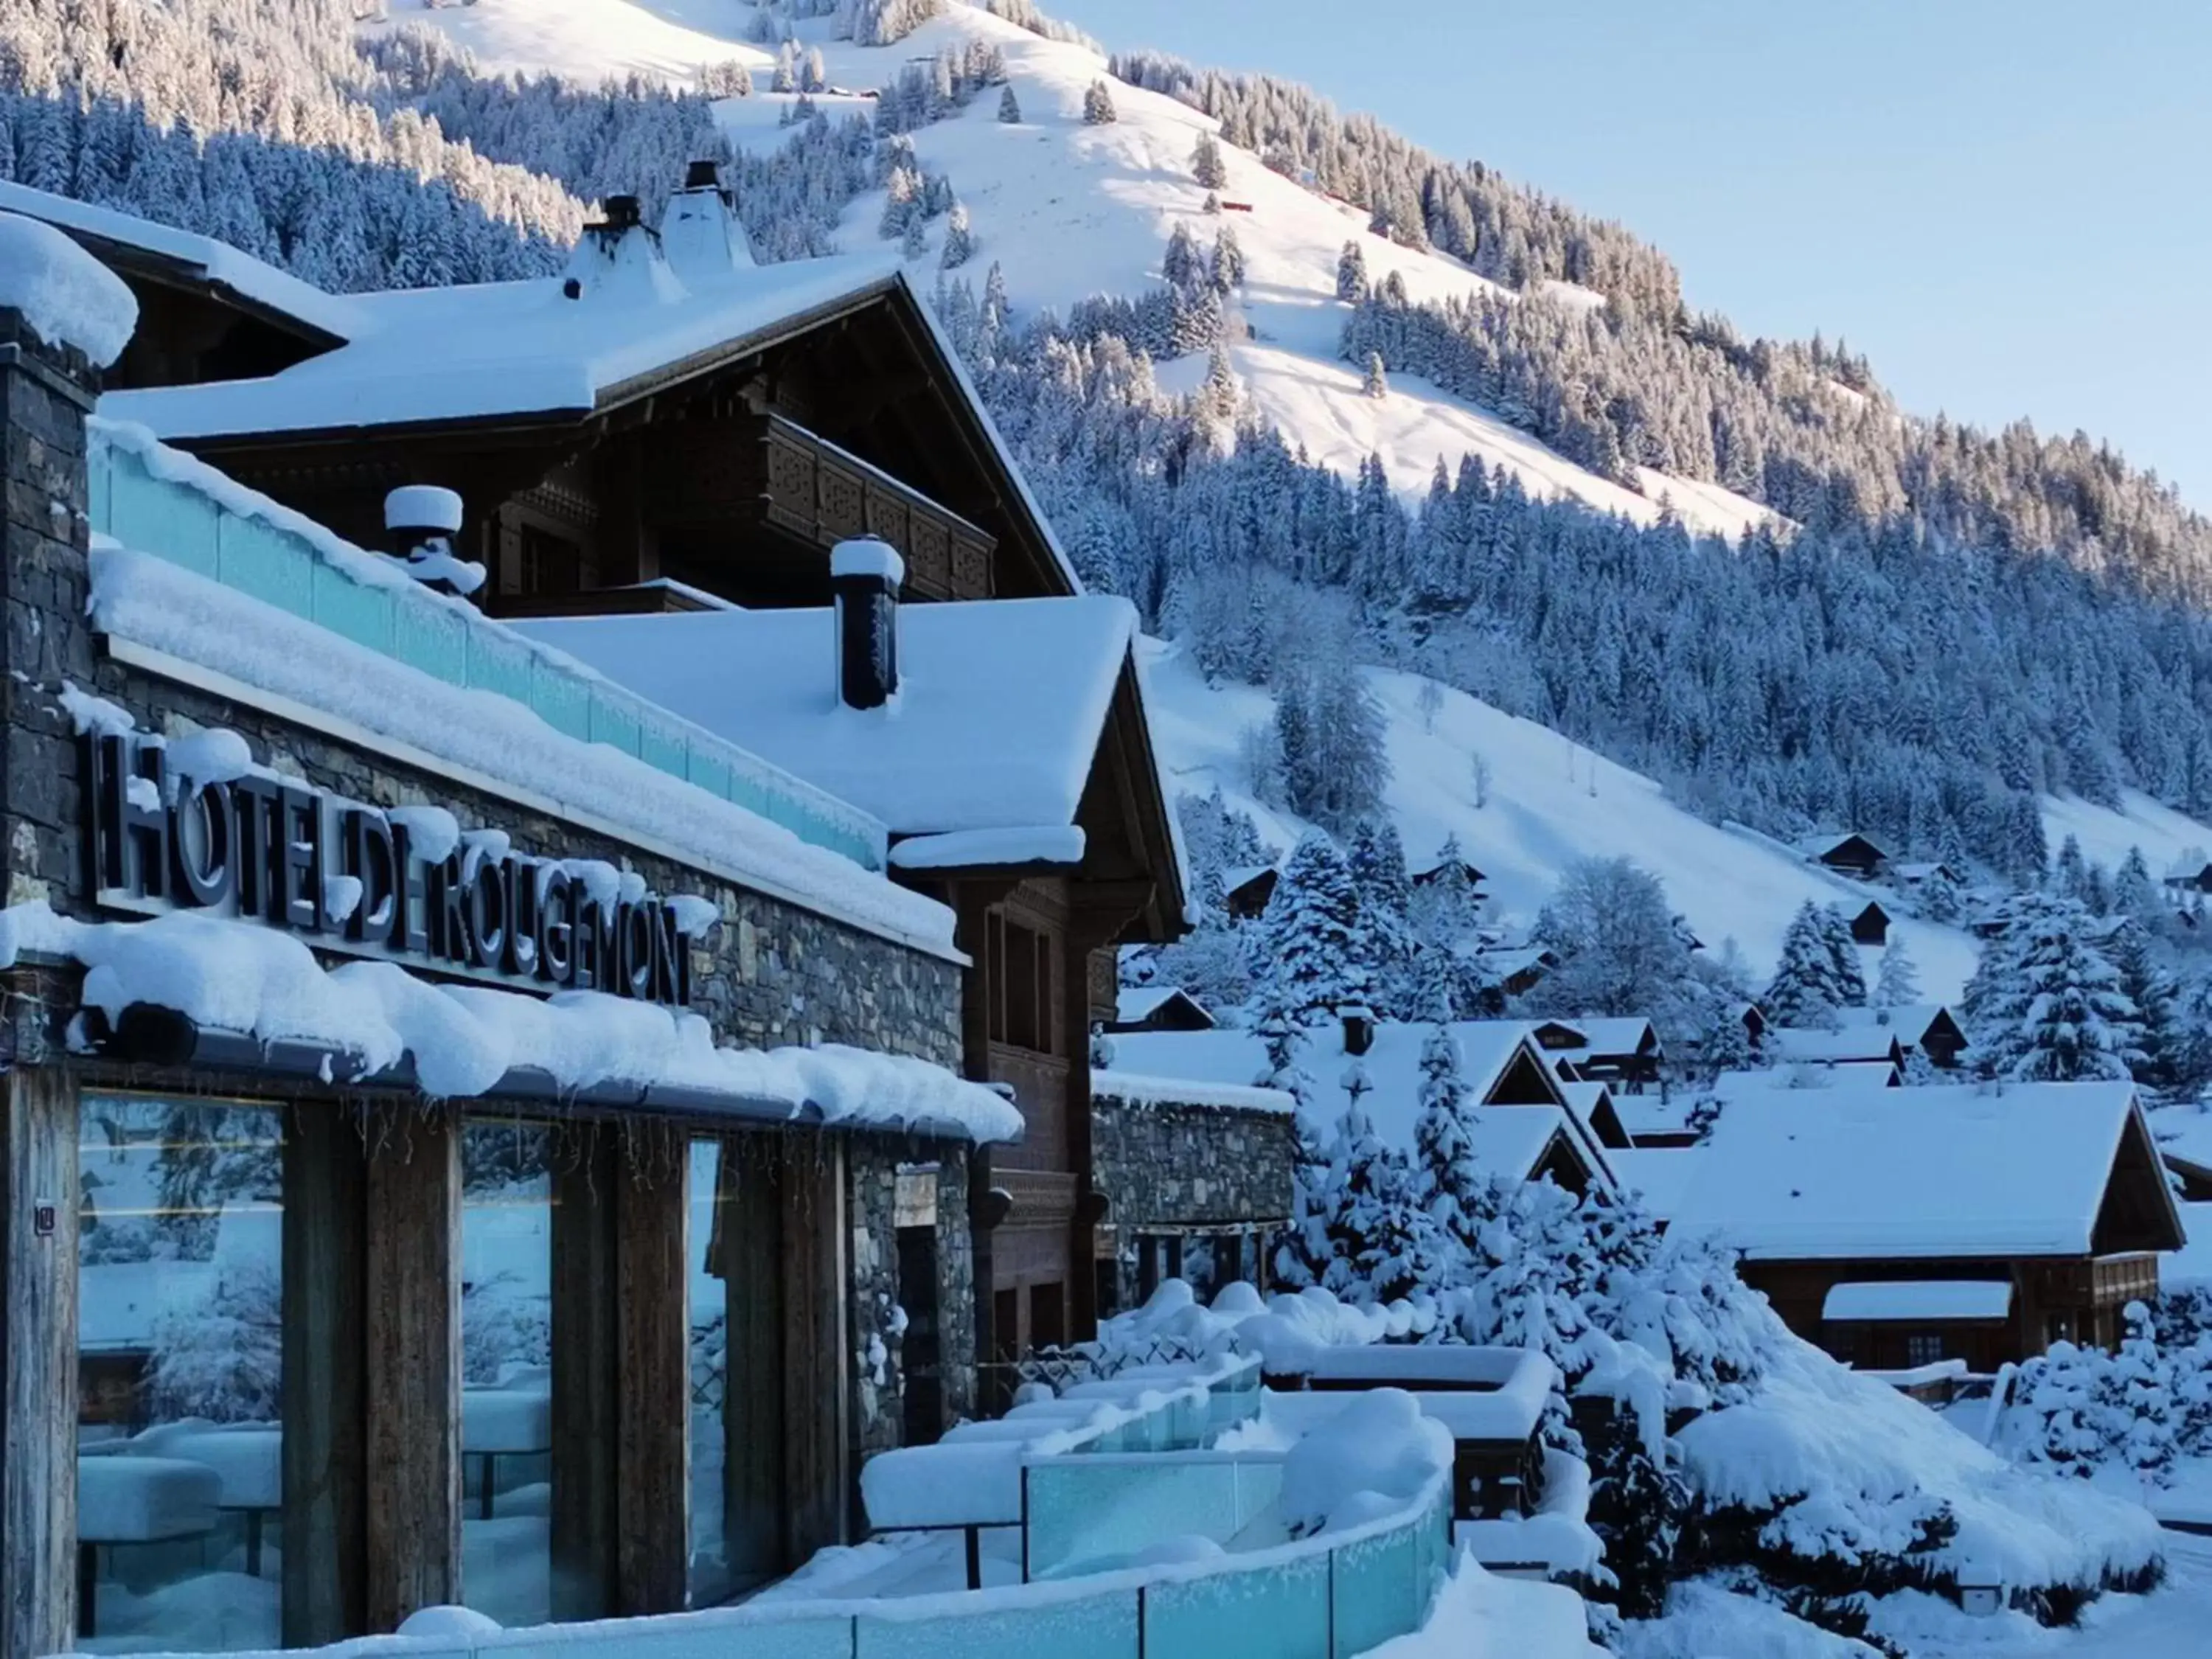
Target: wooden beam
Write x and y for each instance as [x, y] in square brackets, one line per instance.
[413, 1338]
[749, 1260]
[652, 1514]
[586, 1475]
[38, 1275]
[325, 1448]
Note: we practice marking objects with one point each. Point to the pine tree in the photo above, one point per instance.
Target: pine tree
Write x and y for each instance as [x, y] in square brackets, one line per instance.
[1453, 1189]
[1309, 934]
[1805, 990]
[1637, 1508]
[1376, 862]
[1010, 107]
[1352, 274]
[1376, 384]
[2144, 980]
[1207, 166]
[959, 240]
[1098, 104]
[786, 68]
[1843, 951]
[2048, 1006]
[1898, 983]
[917, 242]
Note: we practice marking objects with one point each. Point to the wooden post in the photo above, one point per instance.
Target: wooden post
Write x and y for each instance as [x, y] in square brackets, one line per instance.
[652, 1519]
[38, 1273]
[325, 1274]
[413, 1332]
[817, 1389]
[585, 1387]
[753, 1437]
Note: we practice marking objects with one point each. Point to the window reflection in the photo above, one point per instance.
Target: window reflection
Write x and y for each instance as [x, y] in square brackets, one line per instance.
[180, 1350]
[506, 1387]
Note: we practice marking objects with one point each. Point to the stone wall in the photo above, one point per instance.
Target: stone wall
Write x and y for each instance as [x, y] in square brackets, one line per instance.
[1170, 1168]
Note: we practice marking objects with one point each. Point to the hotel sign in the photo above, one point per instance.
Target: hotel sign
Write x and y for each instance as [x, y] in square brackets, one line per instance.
[280, 853]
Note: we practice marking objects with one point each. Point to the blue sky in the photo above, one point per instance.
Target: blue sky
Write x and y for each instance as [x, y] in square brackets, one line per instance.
[2006, 206]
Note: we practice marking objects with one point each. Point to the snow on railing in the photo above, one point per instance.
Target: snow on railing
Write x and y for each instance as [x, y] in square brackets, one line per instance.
[156, 500]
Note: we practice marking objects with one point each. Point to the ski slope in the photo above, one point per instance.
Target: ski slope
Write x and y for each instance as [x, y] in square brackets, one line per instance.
[1069, 210]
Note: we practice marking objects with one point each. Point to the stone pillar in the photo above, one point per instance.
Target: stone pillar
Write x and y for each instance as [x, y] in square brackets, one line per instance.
[45, 393]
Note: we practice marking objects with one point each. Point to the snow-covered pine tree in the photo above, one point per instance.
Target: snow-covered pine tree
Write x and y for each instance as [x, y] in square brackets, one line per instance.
[1897, 982]
[915, 242]
[2134, 891]
[1380, 1233]
[813, 76]
[1352, 274]
[2140, 1397]
[2069, 871]
[1303, 1250]
[1445, 908]
[1637, 1506]
[1207, 166]
[1843, 951]
[1309, 967]
[1010, 107]
[1098, 104]
[2047, 1007]
[1226, 268]
[1375, 383]
[1805, 990]
[1453, 1188]
[786, 68]
[1182, 267]
[2146, 981]
[959, 240]
[1385, 941]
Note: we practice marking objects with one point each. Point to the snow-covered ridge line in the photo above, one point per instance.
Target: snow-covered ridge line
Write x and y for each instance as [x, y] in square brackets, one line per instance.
[463, 1041]
[1133, 1089]
[147, 602]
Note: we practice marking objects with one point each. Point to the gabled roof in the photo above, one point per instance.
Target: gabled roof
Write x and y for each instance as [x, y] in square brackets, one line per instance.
[1593, 1105]
[1142, 1002]
[1853, 1074]
[1805, 1044]
[1909, 1021]
[998, 718]
[1606, 1039]
[1491, 1051]
[1244, 875]
[2027, 1169]
[1827, 847]
[143, 246]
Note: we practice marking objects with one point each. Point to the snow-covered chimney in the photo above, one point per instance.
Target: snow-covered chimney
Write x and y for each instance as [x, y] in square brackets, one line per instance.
[700, 234]
[620, 258]
[864, 577]
[420, 523]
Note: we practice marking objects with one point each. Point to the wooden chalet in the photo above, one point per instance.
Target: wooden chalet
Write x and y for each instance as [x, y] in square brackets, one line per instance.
[1625, 1053]
[1870, 926]
[1246, 890]
[1431, 874]
[1159, 1008]
[1899, 1227]
[668, 428]
[2190, 877]
[1853, 855]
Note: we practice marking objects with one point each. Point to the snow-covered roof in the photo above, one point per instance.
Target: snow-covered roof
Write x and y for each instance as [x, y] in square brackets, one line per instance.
[1660, 1174]
[1909, 1021]
[1850, 1042]
[2183, 1133]
[217, 264]
[1609, 1036]
[1799, 1078]
[2192, 1263]
[1918, 1299]
[1136, 1002]
[1242, 875]
[485, 349]
[1958, 1171]
[968, 849]
[69, 299]
[1392, 1068]
[1000, 707]
[1648, 1115]
[1133, 1089]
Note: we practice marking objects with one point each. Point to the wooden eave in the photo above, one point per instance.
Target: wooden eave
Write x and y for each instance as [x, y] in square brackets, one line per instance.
[2138, 1212]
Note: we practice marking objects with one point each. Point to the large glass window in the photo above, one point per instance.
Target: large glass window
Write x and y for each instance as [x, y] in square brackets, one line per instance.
[180, 1406]
[506, 1386]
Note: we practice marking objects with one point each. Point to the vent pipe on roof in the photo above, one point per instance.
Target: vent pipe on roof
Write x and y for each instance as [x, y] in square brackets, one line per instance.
[864, 577]
[700, 233]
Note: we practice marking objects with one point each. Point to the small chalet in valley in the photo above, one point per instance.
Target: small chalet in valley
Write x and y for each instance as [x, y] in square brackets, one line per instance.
[1899, 1227]
[1625, 1052]
[1850, 855]
[1430, 873]
[2190, 876]
[1523, 1122]
[1246, 890]
[1870, 1043]
[1870, 926]
[1927, 1028]
[1159, 1008]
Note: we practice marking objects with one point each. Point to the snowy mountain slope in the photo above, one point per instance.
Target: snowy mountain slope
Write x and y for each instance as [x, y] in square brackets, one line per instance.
[1070, 210]
[589, 40]
[1550, 802]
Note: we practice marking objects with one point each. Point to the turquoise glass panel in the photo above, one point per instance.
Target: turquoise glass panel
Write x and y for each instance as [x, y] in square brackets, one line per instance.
[662, 748]
[499, 664]
[1377, 1596]
[165, 520]
[1095, 1627]
[256, 559]
[827, 1637]
[562, 702]
[1279, 1612]
[614, 722]
[709, 771]
[1090, 1510]
[351, 609]
[434, 638]
[100, 476]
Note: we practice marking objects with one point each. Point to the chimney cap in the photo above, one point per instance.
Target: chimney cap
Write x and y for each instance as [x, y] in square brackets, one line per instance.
[703, 174]
[423, 506]
[866, 556]
[622, 212]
